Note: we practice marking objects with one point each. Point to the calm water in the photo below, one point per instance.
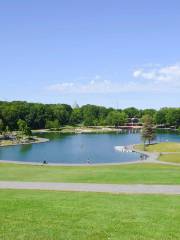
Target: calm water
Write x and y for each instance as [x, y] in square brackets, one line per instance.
[79, 148]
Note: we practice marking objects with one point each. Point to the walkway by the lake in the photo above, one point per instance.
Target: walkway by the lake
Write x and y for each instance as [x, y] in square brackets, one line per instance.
[88, 187]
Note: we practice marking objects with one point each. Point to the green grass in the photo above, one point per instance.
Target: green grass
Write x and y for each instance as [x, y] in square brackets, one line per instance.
[175, 158]
[160, 147]
[136, 173]
[43, 215]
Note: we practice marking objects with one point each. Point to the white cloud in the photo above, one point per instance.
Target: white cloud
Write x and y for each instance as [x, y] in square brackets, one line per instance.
[103, 86]
[145, 79]
[61, 86]
[97, 77]
[93, 86]
[140, 73]
[167, 74]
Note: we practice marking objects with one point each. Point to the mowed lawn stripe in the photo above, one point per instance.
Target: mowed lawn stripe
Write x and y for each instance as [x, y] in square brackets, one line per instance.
[145, 173]
[44, 215]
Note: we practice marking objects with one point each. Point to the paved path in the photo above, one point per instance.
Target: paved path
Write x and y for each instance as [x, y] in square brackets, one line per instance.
[86, 187]
[154, 156]
[151, 156]
[77, 164]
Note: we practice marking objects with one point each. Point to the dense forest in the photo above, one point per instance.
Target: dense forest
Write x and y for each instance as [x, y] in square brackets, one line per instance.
[39, 116]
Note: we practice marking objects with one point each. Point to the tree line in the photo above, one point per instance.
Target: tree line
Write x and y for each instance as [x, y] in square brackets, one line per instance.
[39, 116]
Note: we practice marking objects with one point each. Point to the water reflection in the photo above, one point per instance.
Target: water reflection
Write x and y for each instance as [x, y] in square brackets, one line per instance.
[80, 148]
[24, 149]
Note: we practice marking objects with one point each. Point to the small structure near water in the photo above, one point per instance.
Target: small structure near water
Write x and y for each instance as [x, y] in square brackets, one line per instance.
[123, 149]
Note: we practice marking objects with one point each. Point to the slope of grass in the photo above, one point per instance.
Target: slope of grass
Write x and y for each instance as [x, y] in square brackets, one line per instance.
[43, 215]
[136, 173]
[175, 158]
[160, 147]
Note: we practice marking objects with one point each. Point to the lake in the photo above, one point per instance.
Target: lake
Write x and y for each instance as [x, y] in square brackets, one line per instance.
[79, 148]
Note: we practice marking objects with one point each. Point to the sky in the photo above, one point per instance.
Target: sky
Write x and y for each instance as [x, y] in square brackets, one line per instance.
[113, 53]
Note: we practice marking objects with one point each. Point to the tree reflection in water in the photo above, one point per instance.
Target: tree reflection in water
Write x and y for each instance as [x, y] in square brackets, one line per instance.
[24, 149]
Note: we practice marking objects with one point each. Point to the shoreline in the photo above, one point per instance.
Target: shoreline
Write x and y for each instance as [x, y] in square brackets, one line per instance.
[36, 141]
[97, 129]
[93, 129]
[42, 140]
[149, 159]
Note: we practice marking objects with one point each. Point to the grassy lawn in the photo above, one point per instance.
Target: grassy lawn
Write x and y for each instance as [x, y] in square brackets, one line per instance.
[136, 173]
[170, 158]
[43, 215]
[161, 147]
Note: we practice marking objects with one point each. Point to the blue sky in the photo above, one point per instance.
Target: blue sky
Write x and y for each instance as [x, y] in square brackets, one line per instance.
[113, 53]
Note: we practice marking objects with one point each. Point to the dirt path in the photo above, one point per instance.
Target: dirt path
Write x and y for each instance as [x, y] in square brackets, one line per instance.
[86, 187]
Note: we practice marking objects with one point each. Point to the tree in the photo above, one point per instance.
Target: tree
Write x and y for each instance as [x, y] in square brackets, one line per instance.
[132, 112]
[1, 126]
[148, 133]
[116, 118]
[37, 115]
[27, 131]
[23, 128]
[52, 124]
[62, 113]
[160, 116]
[6, 132]
[149, 111]
[173, 117]
[90, 114]
[76, 116]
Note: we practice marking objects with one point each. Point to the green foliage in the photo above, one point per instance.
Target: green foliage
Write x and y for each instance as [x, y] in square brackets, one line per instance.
[7, 130]
[148, 133]
[168, 116]
[160, 116]
[90, 114]
[27, 131]
[76, 116]
[150, 112]
[38, 115]
[132, 112]
[116, 118]
[62, 113]
[1, 126]
[23, 128]
[52, 124]
[173, 117]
